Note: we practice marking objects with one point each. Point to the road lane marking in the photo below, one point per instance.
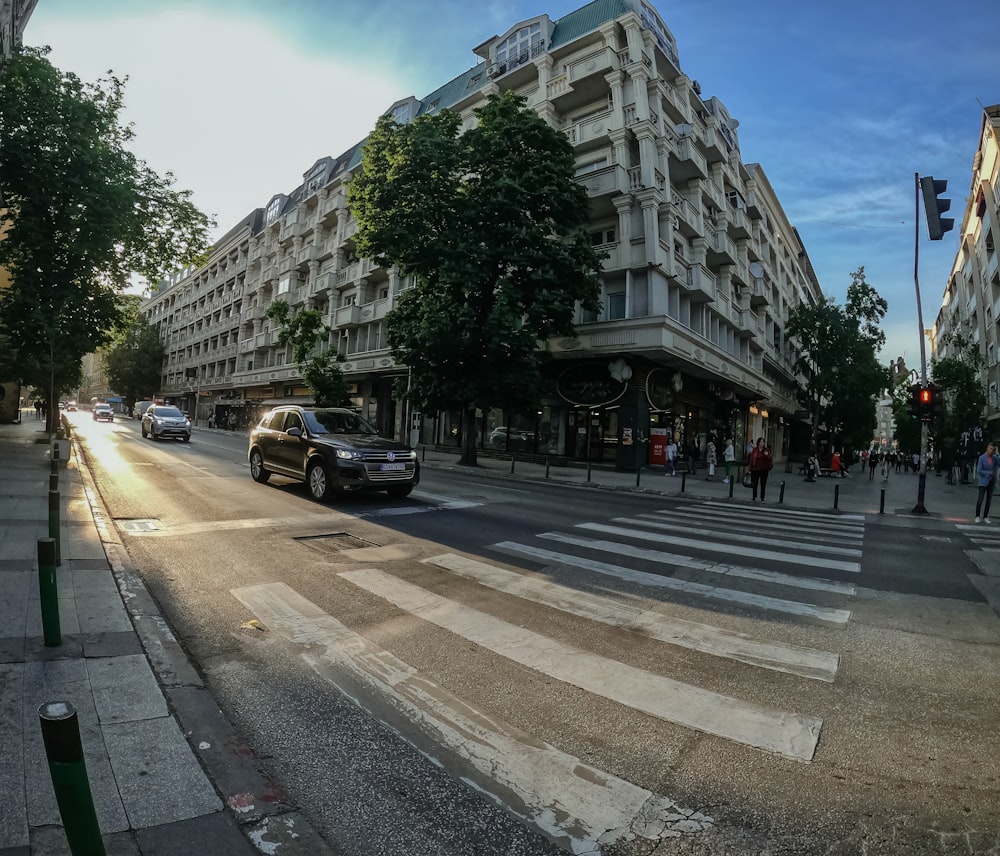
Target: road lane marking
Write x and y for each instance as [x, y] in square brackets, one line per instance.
[777, 656]
[708, 547]
[826, 518]
[792, 607]
[790, 734]
[173, 530]
[579, 807]
[736, 517]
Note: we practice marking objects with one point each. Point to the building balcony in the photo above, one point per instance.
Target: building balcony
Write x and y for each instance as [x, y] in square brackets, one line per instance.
[721, 249]
[759, 292]
[347, 316]
[593, 129]
[686, 162]
[712, 142]
[610, 180]
[557, 86]
[592, 68]
[738, 223]
[688, 218]
[698, 282]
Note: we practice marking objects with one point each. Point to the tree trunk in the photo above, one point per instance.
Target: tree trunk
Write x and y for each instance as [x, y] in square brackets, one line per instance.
[469, 458]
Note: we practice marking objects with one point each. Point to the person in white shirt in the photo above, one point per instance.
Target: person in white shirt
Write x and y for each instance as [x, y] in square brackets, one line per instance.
[729, 456]
[671, 457]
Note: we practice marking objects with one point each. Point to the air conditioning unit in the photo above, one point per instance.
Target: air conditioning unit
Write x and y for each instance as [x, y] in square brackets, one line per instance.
[496, 69]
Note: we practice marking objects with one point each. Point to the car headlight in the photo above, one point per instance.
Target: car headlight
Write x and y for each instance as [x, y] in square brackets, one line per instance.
[349, 455]
[413, 455]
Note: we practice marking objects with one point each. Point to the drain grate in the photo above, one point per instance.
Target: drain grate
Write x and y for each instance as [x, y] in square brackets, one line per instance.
[138, 525]
[335, 542]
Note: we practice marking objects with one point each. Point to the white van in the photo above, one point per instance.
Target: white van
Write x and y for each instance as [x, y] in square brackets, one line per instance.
[140, 408]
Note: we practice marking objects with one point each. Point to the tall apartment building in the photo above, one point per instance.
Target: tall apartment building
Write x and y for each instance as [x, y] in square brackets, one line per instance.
[703, 264]
[971, 302]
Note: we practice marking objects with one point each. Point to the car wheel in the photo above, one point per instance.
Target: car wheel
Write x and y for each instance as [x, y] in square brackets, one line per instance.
[145, 433]
[399, 491]
[257, 471]
[318, 480]
[153, 434]
[186, 438]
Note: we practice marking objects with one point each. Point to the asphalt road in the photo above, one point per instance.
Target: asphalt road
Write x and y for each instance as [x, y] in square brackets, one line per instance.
[502, 667]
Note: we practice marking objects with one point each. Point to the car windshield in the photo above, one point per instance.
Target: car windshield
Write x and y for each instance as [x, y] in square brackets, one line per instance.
[166, 411]
[337, 422]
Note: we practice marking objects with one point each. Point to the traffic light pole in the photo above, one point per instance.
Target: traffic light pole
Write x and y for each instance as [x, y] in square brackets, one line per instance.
[919, 508]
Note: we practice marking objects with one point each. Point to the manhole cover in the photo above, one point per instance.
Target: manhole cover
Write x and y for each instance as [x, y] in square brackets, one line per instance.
[335, 542]
[136, 526]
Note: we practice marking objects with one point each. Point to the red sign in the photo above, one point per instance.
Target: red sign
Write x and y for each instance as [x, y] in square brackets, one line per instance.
[658, 446]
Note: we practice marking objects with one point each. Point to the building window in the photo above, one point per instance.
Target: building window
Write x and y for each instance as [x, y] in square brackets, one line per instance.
[602, 236]
[591, 166]
[616, 306]
[516, 49]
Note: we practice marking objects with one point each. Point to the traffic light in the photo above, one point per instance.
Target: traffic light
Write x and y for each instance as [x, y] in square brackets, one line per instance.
[915, 404]
[937, 400]
[934, 207]
[925, 398]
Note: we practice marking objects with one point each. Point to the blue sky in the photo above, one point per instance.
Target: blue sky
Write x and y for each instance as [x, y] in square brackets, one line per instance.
[841, 103]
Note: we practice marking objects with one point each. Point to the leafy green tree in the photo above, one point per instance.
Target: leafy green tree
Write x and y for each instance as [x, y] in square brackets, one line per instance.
[907, 433]
[965, 396]
[492, 226]
[135, 357]
[307, 332]
[83, 215]
[838, 357]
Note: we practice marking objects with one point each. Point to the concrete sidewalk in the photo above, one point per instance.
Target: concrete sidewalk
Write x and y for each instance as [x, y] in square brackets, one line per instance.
[854, 494]
[167, 772]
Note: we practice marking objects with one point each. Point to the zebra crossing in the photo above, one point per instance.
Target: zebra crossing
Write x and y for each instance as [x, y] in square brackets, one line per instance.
[981, 534]
[799, 565]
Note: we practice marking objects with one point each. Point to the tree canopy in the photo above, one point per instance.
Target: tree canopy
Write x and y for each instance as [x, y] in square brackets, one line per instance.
[307, 332]
[965, 395]
[135, 357]
[838, 357]
[83, 215]
[492, 226]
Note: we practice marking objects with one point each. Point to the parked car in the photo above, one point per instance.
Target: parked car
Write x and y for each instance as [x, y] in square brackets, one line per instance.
[103, 411]
[331, 449]
[165, 420]
[140, 408]
[518, 439]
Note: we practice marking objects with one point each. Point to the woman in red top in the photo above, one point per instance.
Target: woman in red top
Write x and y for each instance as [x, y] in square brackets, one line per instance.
[835, 464]
[761, 462]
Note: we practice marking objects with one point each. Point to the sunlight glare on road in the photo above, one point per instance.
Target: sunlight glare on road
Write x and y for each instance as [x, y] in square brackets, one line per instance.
[102, 444]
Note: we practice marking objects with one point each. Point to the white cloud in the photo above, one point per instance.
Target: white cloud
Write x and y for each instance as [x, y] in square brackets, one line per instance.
[235, 110]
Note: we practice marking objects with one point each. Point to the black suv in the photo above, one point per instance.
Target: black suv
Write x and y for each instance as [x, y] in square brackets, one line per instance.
[331, 449]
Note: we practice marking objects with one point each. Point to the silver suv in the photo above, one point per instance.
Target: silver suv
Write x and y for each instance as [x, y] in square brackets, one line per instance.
[331, 449]
[165, 420]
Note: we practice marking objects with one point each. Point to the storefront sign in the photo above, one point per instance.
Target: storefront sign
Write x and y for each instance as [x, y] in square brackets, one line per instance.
[590, 385]
[658, 446]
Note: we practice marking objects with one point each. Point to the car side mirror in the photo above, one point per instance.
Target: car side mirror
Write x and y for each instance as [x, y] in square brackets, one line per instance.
[294, 432]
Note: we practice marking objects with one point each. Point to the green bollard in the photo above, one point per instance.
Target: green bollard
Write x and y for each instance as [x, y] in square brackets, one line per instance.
[546, 466]
[64, 751]
[512, 465]
[48, 592]
[732, 483]
[683, 481]
[54, 522]
[836, 495]
[638, 473]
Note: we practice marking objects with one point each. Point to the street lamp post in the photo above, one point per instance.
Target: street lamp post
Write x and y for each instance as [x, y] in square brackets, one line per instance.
[919, 508]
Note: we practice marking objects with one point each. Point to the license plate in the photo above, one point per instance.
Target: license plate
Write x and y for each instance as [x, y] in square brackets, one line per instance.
[391, 467]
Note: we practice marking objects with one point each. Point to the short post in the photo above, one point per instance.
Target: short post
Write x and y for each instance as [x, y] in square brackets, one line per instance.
[638, 473]
[54, 522]
[54, 459]
[53, 481]
[781, 493]
[68, 769]
[512, 465]
[881, 502]
[424, 458]
[732, 484]
[546, 466]
[588, 470]
[48, 592]
[836, 495]
[684, 476]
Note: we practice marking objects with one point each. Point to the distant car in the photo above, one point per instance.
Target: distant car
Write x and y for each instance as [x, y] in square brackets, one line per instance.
[165, 420]
[103, 411]
[333, 450]
[140, 408]
[71, 407]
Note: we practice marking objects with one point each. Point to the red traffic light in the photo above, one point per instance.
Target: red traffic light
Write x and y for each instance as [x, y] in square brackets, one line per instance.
[925, 396]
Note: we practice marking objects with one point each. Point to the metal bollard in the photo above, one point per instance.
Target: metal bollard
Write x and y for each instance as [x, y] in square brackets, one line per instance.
[546, 467]
[588, 469]
[732, 484]
[54, 523]
[836, 495]
[68, 769]
[424, 458]
[638, 473]
[48, 592]
[53, 481]
[781, 493]
[881, 502]
[683, 481]
[512, 465]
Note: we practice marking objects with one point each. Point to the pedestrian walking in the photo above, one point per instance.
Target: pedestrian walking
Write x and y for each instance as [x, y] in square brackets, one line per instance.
[761, 462]
[671, 457]
[916, 462]
[729, 456]
[710, 459]
[872, 464]
[986, 469]
[835, 464]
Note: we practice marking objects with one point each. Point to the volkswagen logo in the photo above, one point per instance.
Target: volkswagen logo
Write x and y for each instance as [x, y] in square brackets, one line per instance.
[390, 456]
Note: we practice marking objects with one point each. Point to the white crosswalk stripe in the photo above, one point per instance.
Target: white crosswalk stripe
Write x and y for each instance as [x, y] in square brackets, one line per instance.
[801, 567]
